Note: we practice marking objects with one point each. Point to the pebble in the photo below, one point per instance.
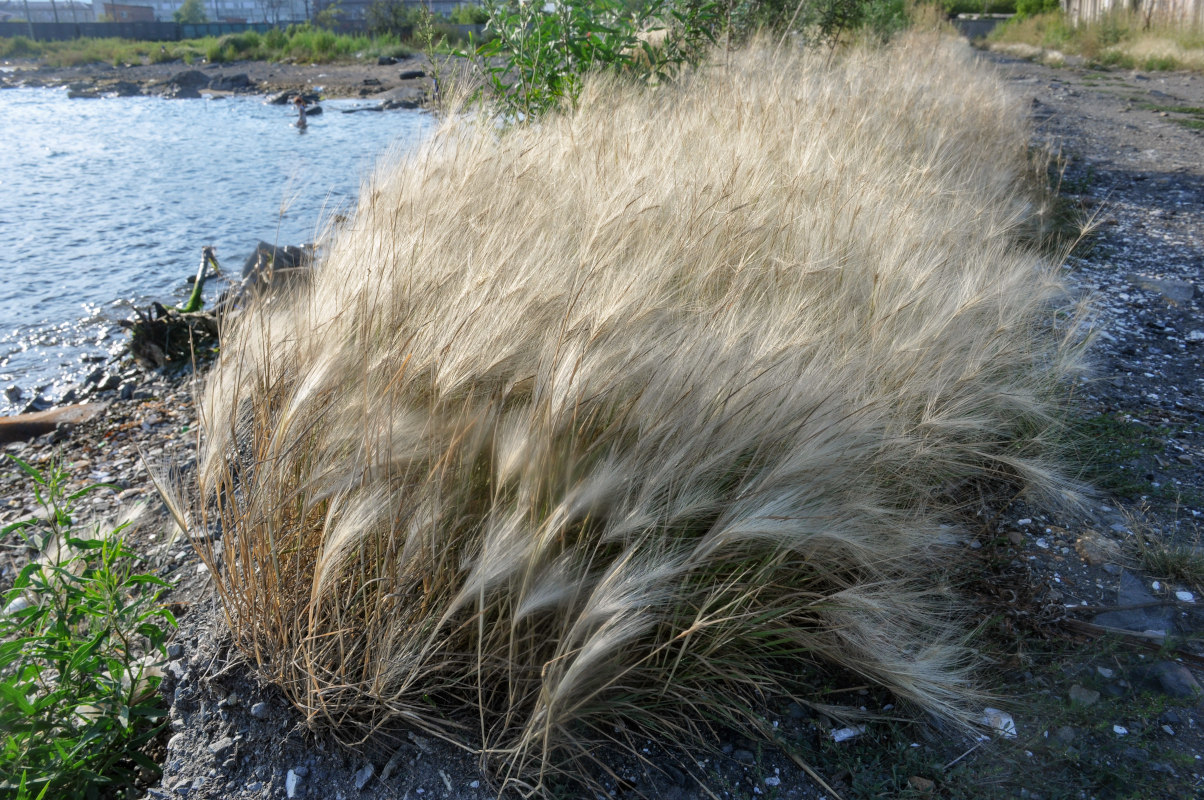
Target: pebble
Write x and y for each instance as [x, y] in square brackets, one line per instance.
[1000, 721]
[221, 746]
[175, 651]
[1120, 730]
[1082, 696]
[363, 775]
[845, 734]
[1185, 597]
[921, 784]
[290, 783]
[259, 711]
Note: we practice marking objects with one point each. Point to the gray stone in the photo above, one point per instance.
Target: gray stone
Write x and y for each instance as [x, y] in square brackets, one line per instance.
[363, 775]
[290, 783]
[1130, 592]
[411, 74]
[175, 651]
[744, 756]
[192, 77]
[259, 711]
[1065, 734]
[1177, 292]
[1175, 680]
[1083, 697]
[222, 746]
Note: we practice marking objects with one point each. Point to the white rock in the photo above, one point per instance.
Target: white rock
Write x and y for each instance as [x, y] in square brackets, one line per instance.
[1120, 730]
[1001, 721]
[1195, 336]
[1185, 597]
[1043, 543]
[773, 780]
[844, 734]
[290, 783]
[17, 605]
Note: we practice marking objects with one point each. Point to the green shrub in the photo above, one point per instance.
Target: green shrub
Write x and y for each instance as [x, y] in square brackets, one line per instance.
[19, 47]
[81, 637]
[215, 52]
[275, 40]
[469, 15]
[536, 60]
[1031, 8]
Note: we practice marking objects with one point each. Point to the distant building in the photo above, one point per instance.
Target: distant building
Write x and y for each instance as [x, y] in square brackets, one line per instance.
[120, 12]
[274, 11]
[358, 9]
[11, 10]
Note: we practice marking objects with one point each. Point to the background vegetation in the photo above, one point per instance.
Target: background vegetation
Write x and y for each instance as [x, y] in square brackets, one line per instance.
[1121, 39]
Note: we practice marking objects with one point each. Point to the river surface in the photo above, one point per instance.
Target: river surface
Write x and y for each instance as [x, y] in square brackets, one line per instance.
[108, 202]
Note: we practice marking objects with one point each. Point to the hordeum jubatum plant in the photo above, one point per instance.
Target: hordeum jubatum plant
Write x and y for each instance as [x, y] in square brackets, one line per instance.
[620, 420]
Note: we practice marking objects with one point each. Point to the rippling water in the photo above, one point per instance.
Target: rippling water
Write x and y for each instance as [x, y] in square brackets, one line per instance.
[107, 202]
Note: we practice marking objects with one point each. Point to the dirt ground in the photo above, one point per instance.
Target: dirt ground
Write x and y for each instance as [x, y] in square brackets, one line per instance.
[1090, 619]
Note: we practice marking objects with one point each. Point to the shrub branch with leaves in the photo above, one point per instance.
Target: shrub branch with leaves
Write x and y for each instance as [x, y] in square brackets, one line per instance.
[81, 636]
[536, 59]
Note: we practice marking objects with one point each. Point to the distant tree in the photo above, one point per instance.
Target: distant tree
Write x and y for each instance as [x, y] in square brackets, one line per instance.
[192, 12]
[392, 16]
[273, 10]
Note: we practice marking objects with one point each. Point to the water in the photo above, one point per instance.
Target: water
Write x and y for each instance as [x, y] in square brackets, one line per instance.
[108, 202]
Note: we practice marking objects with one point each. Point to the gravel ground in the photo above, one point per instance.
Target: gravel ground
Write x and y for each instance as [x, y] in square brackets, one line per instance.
[1093, 649]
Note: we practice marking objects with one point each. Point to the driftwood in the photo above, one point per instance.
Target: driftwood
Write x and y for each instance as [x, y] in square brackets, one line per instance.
[162, 338]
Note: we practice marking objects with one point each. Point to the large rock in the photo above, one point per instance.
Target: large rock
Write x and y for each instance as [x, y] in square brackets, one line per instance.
[269, 256]
[1130, 591]
[85, 90]
[231, 83]
[23, 427]
[189, 79]
[1176, 292]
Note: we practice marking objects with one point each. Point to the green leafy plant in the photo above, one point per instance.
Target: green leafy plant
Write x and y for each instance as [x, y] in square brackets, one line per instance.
[469, 15]
[81, 637]
[536, 59]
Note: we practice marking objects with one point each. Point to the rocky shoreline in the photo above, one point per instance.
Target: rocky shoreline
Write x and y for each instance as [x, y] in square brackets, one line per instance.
[388, 82]
[1054, 583]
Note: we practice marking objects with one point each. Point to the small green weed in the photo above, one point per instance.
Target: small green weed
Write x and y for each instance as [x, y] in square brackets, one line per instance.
[1106, 445]
[81, 636]
[1172, 562]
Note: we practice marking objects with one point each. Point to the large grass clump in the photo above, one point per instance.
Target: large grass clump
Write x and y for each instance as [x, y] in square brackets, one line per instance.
[616, 421]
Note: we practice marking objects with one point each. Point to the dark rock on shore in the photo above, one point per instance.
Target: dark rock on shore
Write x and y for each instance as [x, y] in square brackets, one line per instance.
[231, 83]
[85, 91]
